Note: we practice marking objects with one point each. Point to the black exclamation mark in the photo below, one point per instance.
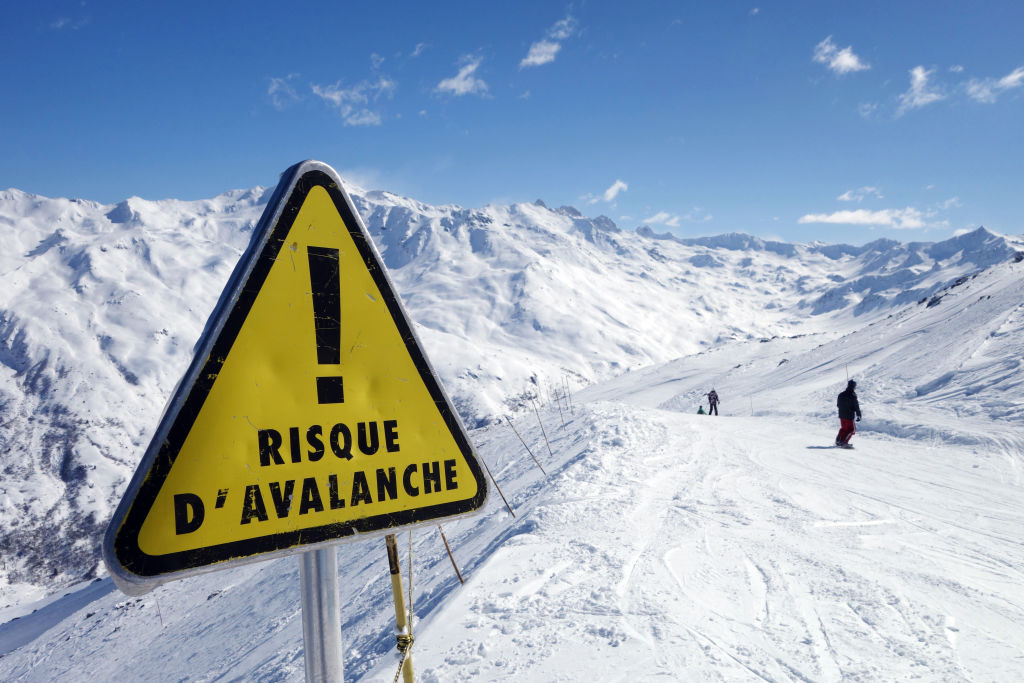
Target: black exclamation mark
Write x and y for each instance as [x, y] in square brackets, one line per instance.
[326, 288]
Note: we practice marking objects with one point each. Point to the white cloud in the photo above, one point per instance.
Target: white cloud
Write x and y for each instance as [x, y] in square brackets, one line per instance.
[281, 91]
[419, 49]
[956, 68]
[663, 218]
[988, 89]
[840, 61]
[541, 52]
[608, 195]
[465, 82]
[901, 219]
[563, 29]
[867, 109]
[545, 50]
[952, 202]
[613, 191]
[859, 194]
[376, 60]
[754, 12]
[919, 94]
[354, 103]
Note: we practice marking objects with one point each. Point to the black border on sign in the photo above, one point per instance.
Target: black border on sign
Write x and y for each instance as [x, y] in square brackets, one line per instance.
[122, 548]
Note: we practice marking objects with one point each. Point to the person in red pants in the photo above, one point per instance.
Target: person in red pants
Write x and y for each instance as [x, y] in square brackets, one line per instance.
[849, 410]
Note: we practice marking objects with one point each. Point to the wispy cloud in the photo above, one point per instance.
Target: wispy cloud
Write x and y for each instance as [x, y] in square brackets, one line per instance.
[867, 109]
[988, 90]
[900, 219]
[419, 49]
[354, 103]
[839, 61]
[663, 218]
[608, 195]
[66, 23]
[541, 52]
[919, 94]
[859, 194]
[465, 82]
[546, 49]
[281, 92]
[755, 11]
[697, 215]
[613, 191]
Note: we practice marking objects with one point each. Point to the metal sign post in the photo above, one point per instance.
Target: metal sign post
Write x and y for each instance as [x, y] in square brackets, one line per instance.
[321, 615]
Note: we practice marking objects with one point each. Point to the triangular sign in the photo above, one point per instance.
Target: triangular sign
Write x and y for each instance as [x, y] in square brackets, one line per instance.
[309, 415]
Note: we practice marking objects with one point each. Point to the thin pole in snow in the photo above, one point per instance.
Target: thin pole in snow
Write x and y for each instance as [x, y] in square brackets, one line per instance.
[561, 416]
[525, 446]
[497, 487]
[158, 611]
[450, 556]
[542, 431]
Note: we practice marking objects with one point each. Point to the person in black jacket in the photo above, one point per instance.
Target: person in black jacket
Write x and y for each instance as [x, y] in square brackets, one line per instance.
[849, 408]
[712, 402]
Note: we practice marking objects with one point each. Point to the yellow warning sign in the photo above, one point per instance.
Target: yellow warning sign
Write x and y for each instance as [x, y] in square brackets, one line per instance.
[310, 413]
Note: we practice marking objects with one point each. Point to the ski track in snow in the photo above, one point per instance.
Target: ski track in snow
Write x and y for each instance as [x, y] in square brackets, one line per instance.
[741, 553]
[660, 545]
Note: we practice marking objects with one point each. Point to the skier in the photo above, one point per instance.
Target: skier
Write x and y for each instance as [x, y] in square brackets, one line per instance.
[849, 408]
[713, 402]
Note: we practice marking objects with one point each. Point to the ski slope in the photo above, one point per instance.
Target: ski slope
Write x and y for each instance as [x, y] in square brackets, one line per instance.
[656, 544]
[100, 307]
[659, 544]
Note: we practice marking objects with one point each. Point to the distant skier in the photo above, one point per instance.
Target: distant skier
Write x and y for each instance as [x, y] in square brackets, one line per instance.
[712, 402]
[849, 408]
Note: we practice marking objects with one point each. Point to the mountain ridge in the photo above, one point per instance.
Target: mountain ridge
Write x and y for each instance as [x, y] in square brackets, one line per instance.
[102, 305]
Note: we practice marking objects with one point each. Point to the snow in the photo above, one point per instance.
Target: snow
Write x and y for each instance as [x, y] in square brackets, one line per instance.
[659, 543]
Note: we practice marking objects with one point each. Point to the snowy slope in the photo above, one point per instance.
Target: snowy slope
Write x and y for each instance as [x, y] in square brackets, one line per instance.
[101, 305]
[659, 544]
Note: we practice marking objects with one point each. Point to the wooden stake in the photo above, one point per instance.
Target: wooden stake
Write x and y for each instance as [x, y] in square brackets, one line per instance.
[525, 446]
[542, 430]
[497, 487]
[560, 415]
[450, 556]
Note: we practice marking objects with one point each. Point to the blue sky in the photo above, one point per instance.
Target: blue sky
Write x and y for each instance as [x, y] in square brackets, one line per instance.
[842, 122]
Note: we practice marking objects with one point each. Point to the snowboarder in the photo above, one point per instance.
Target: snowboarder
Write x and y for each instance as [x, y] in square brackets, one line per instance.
[849, 408]
[713, 402]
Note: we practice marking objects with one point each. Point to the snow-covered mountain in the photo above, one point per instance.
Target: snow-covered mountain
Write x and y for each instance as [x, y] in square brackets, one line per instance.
[100, 307]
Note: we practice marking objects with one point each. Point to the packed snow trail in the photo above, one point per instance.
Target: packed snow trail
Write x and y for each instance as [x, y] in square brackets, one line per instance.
[660, 545]
[681, 546]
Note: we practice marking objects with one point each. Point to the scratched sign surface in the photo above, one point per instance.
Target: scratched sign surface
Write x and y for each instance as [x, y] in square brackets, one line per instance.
[309, 415]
